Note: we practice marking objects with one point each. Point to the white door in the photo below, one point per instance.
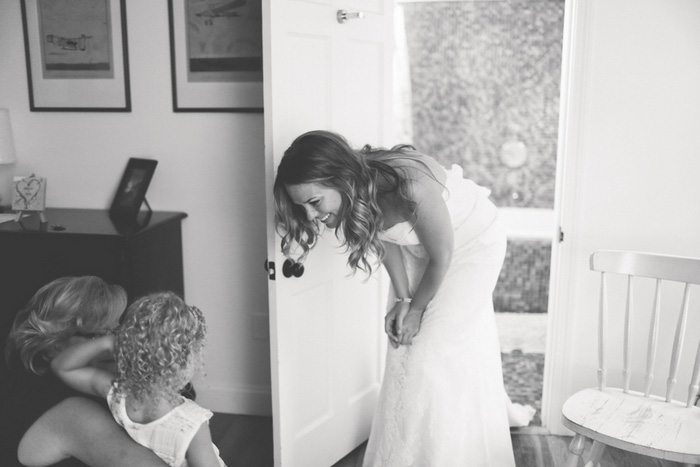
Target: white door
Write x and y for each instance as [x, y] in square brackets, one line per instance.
[326, 337]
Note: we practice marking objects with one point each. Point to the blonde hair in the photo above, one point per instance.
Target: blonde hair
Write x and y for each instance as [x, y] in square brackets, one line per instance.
[61, 309]
[360, 177]
[157, 345]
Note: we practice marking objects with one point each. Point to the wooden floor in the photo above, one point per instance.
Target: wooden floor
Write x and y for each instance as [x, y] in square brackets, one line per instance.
[245, 440]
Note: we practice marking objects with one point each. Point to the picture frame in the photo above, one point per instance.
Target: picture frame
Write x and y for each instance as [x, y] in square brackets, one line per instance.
[131, 192]
[216, 55]
[29, 193]
[76, 55]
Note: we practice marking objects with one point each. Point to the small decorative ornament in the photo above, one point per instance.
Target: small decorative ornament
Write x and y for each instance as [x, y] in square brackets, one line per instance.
[29, 194]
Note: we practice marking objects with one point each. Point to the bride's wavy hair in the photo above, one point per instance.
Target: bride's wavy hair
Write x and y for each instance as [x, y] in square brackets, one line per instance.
[326, 158]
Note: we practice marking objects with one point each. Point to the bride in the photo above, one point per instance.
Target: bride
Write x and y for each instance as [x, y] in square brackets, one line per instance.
[442, 401]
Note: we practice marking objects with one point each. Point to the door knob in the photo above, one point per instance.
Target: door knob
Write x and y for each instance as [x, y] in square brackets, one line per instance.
[290, 269]
[344, 15]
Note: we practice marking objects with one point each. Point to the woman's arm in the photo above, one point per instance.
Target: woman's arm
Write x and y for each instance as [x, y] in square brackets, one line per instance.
[81, 428]
[434, 229]
[72, 366]
[393, 262]
[200, 452]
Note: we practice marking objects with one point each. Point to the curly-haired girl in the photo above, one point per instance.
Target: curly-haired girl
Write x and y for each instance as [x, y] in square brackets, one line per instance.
[158, 347]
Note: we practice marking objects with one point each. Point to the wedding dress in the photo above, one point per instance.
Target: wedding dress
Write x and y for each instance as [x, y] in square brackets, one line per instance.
[442, 401]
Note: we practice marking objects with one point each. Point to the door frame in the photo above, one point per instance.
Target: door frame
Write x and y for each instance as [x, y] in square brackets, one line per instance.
[557, 366]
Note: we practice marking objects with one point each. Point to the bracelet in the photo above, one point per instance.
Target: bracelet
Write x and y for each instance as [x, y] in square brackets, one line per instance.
[403, 299]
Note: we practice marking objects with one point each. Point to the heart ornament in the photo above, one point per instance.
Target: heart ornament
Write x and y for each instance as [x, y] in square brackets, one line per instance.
[29, 194]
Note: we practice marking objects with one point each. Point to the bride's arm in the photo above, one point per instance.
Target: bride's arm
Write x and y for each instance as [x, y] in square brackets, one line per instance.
[393, 262]
[434, 229]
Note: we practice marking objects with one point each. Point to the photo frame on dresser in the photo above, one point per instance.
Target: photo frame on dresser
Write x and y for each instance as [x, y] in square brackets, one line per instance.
[131, 192]
[76, 55]
[216, 55]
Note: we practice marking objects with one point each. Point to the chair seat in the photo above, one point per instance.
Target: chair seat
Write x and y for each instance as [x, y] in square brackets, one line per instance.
[645, 425]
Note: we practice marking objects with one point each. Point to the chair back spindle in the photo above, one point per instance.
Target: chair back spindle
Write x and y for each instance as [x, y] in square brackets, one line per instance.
[677, 344]
[626, 358]
[602, 321]
[694, 385]
[653, 339]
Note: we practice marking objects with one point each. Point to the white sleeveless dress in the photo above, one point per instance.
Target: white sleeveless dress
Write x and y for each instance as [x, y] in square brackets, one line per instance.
[442, 402]
[170, 435]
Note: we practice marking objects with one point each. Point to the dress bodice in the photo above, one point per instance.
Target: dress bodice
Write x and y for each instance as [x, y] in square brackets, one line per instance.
[401, 233]
[468, 205]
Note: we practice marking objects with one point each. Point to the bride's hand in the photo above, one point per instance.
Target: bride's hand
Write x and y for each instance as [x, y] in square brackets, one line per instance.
[408, 325]
[390, 323]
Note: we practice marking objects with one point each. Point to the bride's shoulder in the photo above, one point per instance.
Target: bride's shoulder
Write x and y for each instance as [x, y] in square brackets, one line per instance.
[419, 169]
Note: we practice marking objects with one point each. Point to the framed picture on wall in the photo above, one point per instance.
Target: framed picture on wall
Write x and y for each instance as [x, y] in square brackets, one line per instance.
[216, 55]
[77, 57]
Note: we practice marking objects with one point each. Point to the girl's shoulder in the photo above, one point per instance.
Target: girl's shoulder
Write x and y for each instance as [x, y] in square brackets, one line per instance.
[195, 411]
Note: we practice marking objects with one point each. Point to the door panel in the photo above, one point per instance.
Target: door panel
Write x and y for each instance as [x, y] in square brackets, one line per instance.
[308, 49]
[326, 327]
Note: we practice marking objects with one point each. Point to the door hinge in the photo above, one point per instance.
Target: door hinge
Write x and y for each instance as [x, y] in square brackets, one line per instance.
[561, 235]
[270, 268]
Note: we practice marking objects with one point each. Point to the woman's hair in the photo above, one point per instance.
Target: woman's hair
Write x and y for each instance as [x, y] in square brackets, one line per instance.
[158, 346]
[61, 309]
[327, 159]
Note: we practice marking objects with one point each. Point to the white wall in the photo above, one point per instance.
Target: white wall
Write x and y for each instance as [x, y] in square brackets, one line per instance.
[632, 162]
[211, 166]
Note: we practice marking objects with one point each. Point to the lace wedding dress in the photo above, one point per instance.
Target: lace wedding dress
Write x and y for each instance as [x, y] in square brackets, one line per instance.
[442, 402]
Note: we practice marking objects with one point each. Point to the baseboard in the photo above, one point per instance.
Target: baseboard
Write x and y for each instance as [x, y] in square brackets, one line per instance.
[530, 430]
[236, 399]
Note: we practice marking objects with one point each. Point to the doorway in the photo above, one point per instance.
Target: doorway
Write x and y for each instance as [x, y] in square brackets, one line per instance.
[479, 86]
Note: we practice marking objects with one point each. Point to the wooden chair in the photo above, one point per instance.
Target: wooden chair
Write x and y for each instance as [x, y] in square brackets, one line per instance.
[634, 421]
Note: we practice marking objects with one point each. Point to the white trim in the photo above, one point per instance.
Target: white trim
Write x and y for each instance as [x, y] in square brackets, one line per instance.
[238, 399]
[527, 223]
[558, 368]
